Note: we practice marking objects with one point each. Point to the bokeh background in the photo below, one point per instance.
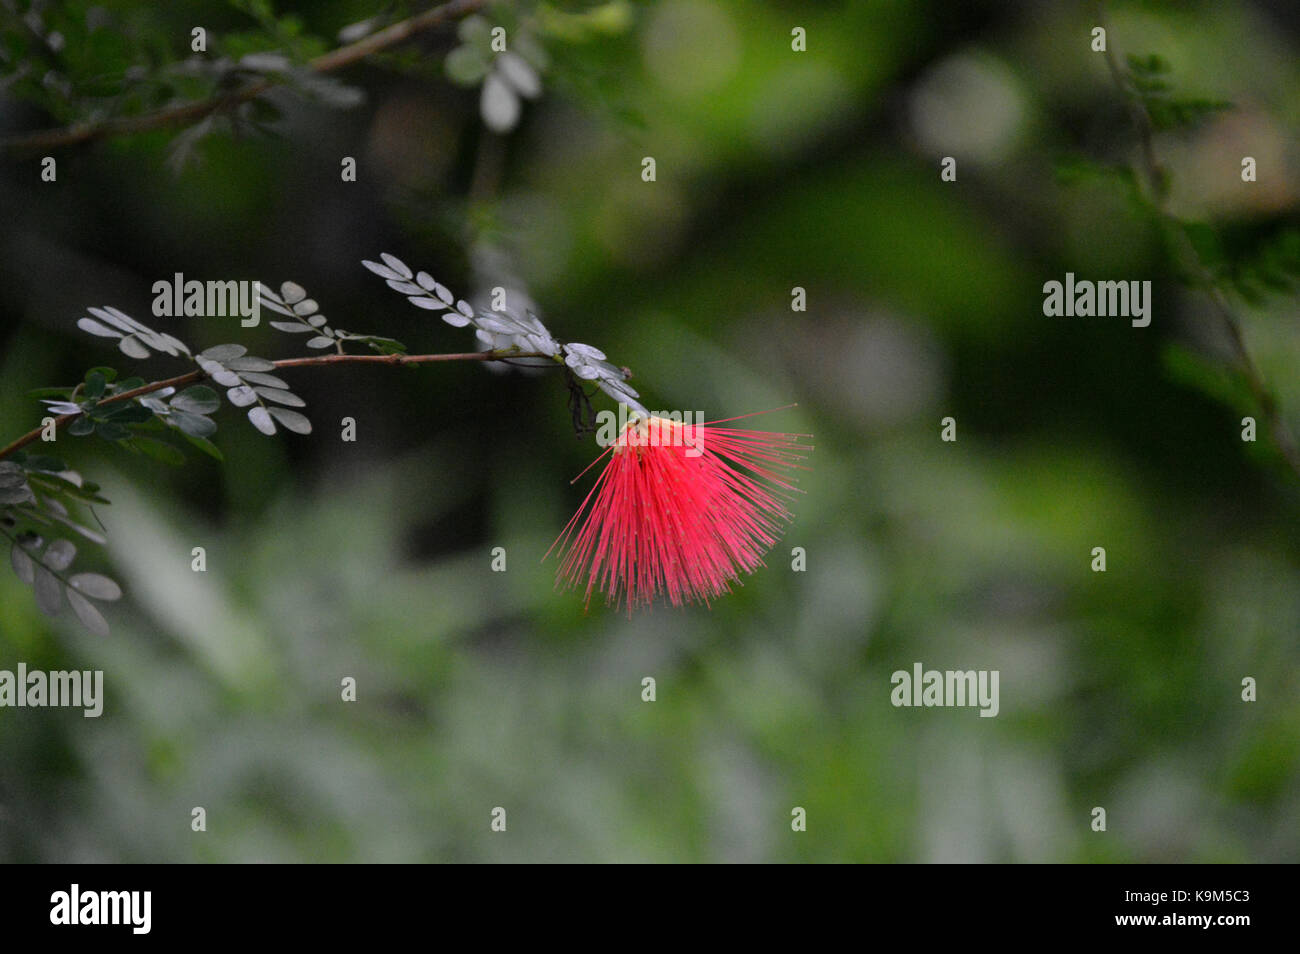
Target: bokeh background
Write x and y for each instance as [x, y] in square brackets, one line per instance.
[775, 169]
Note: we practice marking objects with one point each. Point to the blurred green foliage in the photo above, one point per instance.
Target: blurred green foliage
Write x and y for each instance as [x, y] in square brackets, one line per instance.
[775, 169]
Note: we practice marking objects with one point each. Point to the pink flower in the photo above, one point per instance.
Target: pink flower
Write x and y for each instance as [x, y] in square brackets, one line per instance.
[680, 509]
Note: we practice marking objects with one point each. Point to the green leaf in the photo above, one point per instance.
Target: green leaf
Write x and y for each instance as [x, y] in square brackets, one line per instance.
[132, 348]
[466, 65]
[49, 591]
[90, 617]
[195, 425]
[96, 586]
[385, 345]
[199, 399]
[292, 420]
[262, 420]
[16, 494]
[279, 396]
[111, 432]
[91, 535]
[206, 446]
[1220, 382]
[1147, 65]
[60, 554]
[223, 352]
[95, 385]
[41, 462]
[268, 380]
[53, 483]
[22, 562]
[158, 450]
[250, 363]
[1205, 241]
[128, 414]
[81, 426]
[107, 373]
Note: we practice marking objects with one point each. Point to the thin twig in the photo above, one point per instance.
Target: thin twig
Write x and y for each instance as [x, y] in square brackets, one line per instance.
[193, 377]
[189, 113]
[1190, 259]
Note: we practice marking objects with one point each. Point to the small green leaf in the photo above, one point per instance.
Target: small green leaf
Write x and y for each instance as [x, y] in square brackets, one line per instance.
[93, 327]
[132, 348]
[81, 426]
[262, 420]
[158, 450]
[199, 399]
[95, 385]
[206, 446]
[91, 535]
[111, 432]
[96, 586]
[41, 462]
[90, 617]
[250, 363]
[224, 352]
[279, 396]
[16, 494]
[292, 420]
[23, 564]
[54, 483]
[269, 380]
[466, 65]
[385, 345]
[241, 396]
[128, 413]
[60, 554]
[49, 591]
[195, 425]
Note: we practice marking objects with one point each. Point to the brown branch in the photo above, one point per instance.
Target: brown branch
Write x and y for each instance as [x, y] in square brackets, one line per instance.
[189, 113]
[1189, 258]
[193, 377]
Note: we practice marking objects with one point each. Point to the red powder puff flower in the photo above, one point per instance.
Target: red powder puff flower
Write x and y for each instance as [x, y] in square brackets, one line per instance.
[680, 509]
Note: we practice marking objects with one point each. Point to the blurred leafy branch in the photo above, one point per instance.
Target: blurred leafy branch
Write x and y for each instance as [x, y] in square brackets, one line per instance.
[95, 76]
[1197, 251]
[45, 68]
[40, 493]
[101, 78]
